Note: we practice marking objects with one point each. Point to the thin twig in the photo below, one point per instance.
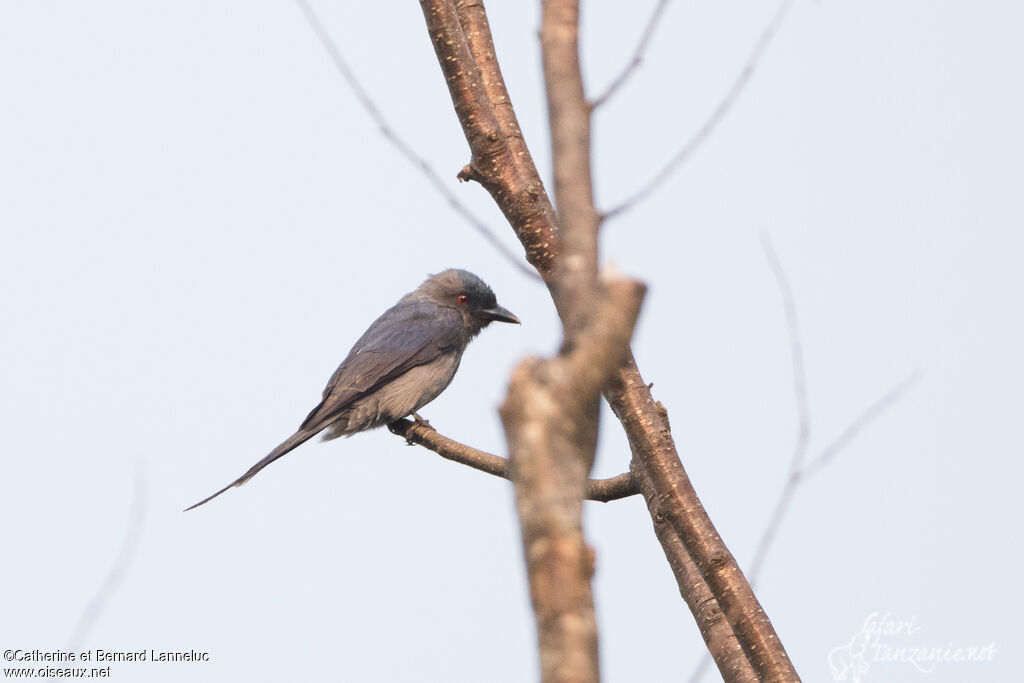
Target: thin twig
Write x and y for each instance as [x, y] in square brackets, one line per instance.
[125, 555]
[402, 146]
[799, 467]
[636, 59]
[801, 473]
[716, 117]
[803, 411]
[600, 490]
[854, 429]
[796, 352]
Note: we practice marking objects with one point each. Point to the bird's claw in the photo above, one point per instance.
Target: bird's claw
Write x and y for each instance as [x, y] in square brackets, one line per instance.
[420, 421]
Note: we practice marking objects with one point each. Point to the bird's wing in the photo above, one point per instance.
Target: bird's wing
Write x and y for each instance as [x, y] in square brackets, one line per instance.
[405, 336]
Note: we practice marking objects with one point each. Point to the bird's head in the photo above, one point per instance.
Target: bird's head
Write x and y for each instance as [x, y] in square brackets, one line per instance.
[468, 294]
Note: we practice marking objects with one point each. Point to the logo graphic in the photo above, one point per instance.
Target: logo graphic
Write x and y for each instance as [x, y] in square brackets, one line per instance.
[884, 639]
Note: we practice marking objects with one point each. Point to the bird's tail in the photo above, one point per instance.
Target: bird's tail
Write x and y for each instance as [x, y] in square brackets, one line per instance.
[298, 438]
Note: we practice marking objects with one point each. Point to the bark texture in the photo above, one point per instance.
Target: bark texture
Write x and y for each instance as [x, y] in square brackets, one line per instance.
[551, 459]
[551, 451]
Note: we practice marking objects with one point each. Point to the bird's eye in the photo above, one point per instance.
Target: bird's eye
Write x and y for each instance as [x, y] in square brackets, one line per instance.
[463, 299]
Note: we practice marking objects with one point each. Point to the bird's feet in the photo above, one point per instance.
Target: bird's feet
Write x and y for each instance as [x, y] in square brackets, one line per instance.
[420, 421]
[398, 427]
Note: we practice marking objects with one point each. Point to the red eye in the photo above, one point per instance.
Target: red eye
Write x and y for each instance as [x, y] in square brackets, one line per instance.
[463, 299]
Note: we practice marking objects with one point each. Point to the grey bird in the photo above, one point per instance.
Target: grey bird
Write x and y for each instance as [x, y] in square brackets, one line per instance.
[406, 358]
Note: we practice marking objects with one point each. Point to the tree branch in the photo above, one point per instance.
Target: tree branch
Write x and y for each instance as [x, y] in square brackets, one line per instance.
[799, 468]
[650, 437]
[552, 407]
[716, 117]
[533, 220]
[569, 120]
[721, 642]
[493, 163]
[473, 18]
[551, 449]
[600, 490]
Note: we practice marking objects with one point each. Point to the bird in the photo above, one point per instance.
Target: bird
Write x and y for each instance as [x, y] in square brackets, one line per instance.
[403, 361]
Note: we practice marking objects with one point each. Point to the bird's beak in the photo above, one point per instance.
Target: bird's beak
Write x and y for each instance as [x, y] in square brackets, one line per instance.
[500, 314]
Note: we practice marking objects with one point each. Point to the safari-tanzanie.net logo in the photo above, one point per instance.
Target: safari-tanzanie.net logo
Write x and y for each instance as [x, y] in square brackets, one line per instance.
[885, 640]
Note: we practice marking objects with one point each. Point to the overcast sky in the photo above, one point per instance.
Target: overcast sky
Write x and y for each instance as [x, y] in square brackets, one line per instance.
[198, 220]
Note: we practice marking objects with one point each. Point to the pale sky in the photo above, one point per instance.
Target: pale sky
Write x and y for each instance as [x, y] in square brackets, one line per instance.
[199, 219]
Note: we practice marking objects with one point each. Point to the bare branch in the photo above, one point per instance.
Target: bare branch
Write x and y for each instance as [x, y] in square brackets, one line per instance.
[477, 30]
[716, 117]
[600, 490]
[636, 59]
[551, 437]
[533, 219]
[125, 556]
[714, 627]
[404, 148]
[494, 162]
[650, 437]
[552, 407]
[569, 121]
